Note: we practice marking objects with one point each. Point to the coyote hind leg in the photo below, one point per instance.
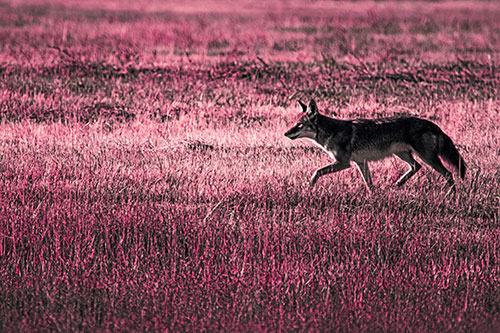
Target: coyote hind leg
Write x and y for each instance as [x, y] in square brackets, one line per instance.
[414, 167]
[434, 161]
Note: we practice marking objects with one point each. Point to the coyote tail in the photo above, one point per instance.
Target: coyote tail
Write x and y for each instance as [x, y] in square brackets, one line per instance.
[449, 153]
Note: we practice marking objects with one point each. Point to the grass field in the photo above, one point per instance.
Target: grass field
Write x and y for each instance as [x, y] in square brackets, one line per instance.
[146, 184]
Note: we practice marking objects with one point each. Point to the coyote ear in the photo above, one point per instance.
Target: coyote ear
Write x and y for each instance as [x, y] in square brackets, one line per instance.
[303, 106]
[313, 108]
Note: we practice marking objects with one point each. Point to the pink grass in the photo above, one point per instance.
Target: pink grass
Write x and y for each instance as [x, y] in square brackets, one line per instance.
[145, 182]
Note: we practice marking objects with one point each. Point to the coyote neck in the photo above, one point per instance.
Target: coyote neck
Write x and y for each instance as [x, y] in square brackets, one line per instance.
[328, 126]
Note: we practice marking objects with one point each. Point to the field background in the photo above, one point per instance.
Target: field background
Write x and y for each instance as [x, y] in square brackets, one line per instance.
[145, 182]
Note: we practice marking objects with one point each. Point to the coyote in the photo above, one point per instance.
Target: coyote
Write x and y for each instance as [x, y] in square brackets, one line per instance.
[364, 140]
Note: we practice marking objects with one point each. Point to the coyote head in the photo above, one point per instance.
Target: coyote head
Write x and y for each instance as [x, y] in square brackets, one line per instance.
[307, 126]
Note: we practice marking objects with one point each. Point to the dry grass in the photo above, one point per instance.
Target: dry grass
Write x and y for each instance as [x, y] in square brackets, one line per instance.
[145, 182]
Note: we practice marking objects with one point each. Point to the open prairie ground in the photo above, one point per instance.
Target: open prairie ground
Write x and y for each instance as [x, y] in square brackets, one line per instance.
[146, 184]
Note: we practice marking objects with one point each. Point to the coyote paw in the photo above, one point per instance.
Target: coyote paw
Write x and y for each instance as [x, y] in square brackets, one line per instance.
[451, 189]
[314, 179]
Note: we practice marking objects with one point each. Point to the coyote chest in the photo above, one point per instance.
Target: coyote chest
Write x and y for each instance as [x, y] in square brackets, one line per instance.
[332, 152]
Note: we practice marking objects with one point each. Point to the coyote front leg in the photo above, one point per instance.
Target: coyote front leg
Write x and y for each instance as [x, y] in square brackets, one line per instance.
[337, 166]
[365, 172]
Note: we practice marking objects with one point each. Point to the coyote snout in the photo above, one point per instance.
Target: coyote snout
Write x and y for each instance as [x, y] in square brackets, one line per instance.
[364, 140]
